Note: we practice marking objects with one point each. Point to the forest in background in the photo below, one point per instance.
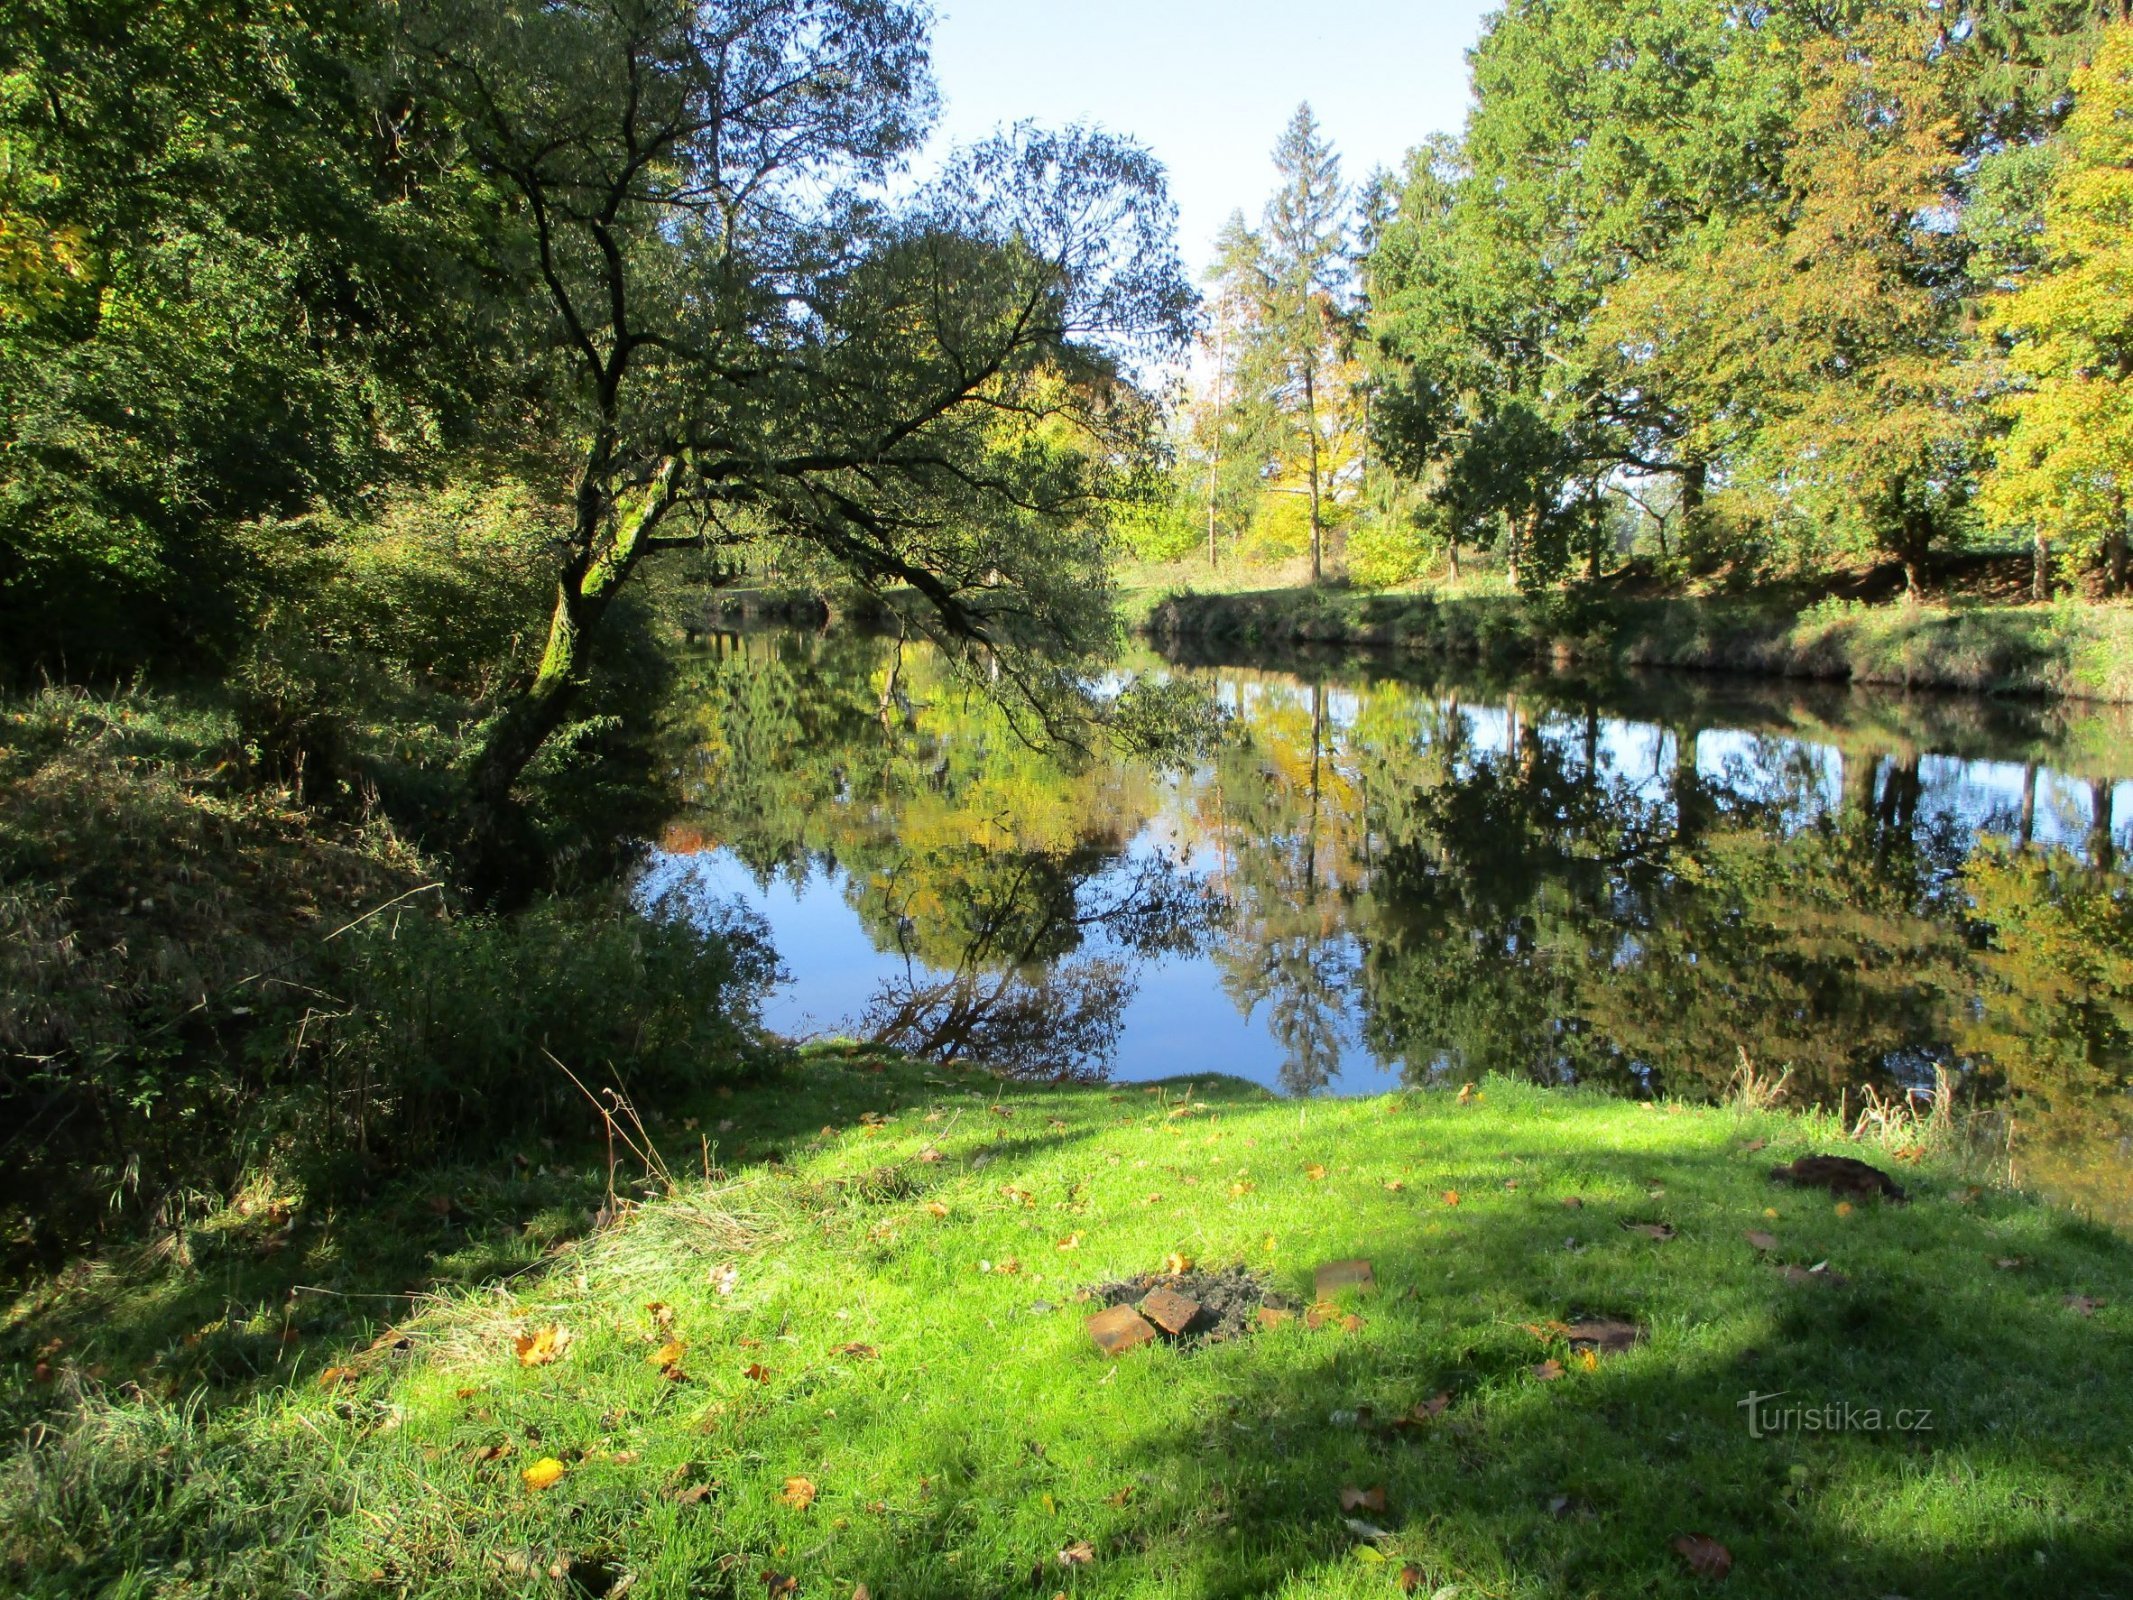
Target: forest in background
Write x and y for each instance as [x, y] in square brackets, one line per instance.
[1753, 291]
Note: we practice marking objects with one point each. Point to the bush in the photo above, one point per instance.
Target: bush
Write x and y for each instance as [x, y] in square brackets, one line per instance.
[449, 1026]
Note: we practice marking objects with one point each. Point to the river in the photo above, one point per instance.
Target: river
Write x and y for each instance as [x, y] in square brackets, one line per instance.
[1383, 875]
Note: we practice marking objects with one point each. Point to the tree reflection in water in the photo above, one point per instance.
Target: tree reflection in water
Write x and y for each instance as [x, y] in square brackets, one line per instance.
[1442, 878]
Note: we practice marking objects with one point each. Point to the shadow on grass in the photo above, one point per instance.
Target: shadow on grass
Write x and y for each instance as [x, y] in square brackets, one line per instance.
[2015, 1483]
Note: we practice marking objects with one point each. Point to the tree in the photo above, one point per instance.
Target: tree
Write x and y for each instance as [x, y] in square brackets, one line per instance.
[225, 305]
[746, 341]
[1292, 277]
[2066, 465]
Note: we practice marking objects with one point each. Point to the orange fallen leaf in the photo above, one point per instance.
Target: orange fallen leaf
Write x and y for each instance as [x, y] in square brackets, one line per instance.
[1589, 1359]
[1071, 1242]
[799, 1493]
[1844, 1208]
[1119, 1497]
[661, 1313]
[545, 1473]
[1176, 1262]
[1707, 1558]
[542, 1346]
[1314, 1172]
[1451, 1197]
[935, 1208]
[758, 1372]
[334, 1377]
[780, 1584]
[1354, 1499]
[1410, 1578]
[668, 1354]
[1572, 1203]
[1078, 1554]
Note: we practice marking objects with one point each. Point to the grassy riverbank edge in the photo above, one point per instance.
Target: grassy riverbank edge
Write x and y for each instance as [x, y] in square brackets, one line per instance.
[854, 1355]
[2067, 649]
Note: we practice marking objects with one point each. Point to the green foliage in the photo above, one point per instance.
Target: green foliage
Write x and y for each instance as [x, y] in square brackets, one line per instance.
[1732, 254]
[2065, 466]
[236, 295]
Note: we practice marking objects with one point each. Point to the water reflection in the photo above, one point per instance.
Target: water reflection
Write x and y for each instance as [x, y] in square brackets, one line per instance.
[1376, 877]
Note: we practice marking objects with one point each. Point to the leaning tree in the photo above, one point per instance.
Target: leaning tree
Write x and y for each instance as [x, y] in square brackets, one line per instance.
[749, 322]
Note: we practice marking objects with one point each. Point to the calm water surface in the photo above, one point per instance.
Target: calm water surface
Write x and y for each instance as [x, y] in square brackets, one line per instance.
[1381, 877]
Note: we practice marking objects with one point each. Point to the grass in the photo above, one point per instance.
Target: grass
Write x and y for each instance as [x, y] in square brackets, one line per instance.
[2068, 649]
[904, 1335]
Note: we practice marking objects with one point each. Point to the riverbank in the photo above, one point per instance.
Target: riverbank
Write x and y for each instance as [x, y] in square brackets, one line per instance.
[845, 1349]
[2068, 649]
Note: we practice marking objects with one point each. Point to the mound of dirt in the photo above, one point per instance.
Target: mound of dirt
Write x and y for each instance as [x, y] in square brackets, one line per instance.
[1230, 1301]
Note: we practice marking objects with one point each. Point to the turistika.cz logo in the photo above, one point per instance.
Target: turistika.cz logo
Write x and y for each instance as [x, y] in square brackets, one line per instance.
[1766, 1416]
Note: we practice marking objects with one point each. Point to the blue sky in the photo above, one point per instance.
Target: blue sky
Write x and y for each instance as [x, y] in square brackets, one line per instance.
[1208, 84]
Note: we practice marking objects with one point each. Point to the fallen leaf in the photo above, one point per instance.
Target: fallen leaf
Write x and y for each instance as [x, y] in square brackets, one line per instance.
[936, 1209]
[545, 1473]
[695, 1494]
[799, 1493]
[668, 1354]
[1589, 1359]
[335, 1377]
[1707, 1558]
[1354, 1499]
[861, 1592]
[758, 1372]
[780, 1584]
[1451, 1197]
[542, 1346]
[1238, 1190]
[1176, 1262]
[929, 1155]
[488, 1452]
[1753, 1145]
[726, 1278]
[1119, 1497]
[1844, 1208]
[858, 1352]
[1548, 1371]
[1760, 1239]
[1315, 1173]
[1394, 1185]
[1468, 1094]
[1572, 1203]
[1410, 1578]
[1078, 1554]
[661, 1313]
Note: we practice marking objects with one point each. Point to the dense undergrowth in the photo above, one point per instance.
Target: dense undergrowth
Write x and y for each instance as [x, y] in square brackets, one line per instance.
[840, 1343]
[207, 975]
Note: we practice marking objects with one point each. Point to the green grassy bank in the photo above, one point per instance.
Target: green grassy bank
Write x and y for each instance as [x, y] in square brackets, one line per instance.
[2071, 649]
[843, 1352]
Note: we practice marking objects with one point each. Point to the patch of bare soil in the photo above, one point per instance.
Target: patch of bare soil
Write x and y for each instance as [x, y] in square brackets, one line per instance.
[1229, 1301]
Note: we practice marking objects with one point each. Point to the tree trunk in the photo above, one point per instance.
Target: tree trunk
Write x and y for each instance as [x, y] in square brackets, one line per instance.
[1214, 452]
[1318, 569]
[2040, 570]
[1454, 547]
[495, 861]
